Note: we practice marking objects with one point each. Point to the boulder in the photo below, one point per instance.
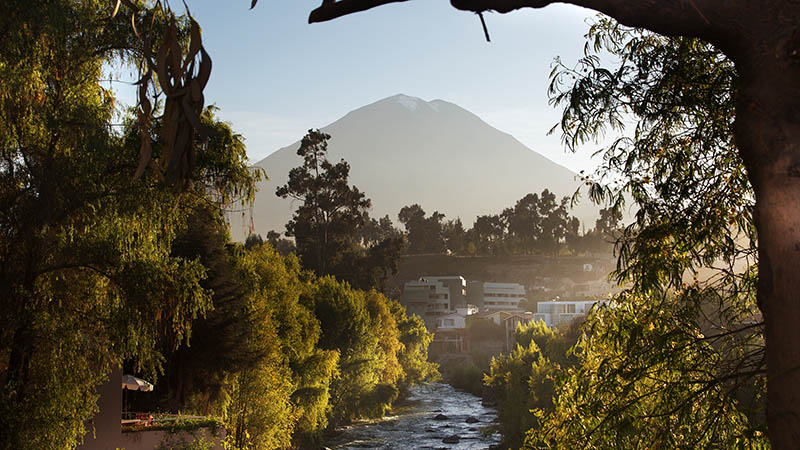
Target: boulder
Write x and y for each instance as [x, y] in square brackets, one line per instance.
[453, 439]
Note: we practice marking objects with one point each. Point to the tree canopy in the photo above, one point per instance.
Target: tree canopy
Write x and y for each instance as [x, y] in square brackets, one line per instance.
[332, 228]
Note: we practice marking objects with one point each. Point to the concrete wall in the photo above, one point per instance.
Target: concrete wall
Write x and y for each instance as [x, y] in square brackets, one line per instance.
[104, 431]
[148, 440]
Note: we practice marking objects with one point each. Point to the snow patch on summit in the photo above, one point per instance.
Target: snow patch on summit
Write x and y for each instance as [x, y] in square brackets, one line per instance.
[410, 103]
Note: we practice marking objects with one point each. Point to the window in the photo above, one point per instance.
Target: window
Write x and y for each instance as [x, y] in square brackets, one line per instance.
[449, 322]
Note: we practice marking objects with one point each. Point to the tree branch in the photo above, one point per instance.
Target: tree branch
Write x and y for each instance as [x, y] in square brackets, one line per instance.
[712, 20]
[330, 9]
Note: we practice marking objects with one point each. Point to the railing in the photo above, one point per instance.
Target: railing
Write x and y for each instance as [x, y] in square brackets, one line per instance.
[131, 420]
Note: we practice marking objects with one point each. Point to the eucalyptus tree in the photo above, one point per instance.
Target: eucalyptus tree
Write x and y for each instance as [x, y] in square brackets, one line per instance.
[679, 361]
[329, 225]
[425, 234]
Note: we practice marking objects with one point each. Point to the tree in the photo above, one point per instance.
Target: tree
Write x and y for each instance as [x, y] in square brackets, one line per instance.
[522, 381]
[761, 40]
[227, 340]
[554, 222]
[414, 353]
[331, 210]
[490, 231]
[683, 347]
[328, 225]
[425, 234]
[455, 236]
[86, 273]
[282, 245]
[278, 284]
[525, 222]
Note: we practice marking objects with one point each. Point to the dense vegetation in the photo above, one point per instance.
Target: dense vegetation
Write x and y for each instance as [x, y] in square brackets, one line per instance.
[536, 224]
[677, 360]
[103, 263]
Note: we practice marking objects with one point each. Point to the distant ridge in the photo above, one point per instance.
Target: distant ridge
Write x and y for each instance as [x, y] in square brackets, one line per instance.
[404, 150]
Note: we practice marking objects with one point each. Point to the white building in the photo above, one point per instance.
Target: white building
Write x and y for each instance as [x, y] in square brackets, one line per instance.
[557, 313]
[503, 296]
[451, 322]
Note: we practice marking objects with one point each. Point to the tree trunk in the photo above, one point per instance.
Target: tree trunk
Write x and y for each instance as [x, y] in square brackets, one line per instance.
[767, 134]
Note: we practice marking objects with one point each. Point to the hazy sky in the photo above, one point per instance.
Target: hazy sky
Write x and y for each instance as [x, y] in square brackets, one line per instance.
[275, 76]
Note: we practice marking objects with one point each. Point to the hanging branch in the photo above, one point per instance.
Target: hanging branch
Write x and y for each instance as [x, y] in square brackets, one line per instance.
[485, 30]
[182, 79]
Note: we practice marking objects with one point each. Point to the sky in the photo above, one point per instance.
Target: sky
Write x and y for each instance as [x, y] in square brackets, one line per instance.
[275, 76]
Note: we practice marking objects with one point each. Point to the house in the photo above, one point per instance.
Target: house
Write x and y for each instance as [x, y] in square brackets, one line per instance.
[453, 321]
[507, 318]
[467, 310]
[557, 312]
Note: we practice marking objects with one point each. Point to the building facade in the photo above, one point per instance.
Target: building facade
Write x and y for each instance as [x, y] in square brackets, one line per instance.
[557, 313]
[431, 297]
[503, 296]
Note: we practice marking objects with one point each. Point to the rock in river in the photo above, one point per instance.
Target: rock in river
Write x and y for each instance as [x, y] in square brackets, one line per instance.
[451, 439]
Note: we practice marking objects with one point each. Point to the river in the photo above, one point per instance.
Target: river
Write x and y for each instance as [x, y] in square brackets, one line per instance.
[463, 423]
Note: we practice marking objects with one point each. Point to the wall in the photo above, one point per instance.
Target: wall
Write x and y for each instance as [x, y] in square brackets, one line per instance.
[105, 431]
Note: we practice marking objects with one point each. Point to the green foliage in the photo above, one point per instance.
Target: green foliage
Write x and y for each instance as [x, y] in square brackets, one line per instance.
[650, 373]
[212, 424]
[86, 269]
[425, 234]
[522, 382]
[182, 444]
[537, 223]
[329, 225]
[465, 375]
[677, 362]
[347, 327]
[99, 270]
[413, 355]
[228, 338]
[260, 414]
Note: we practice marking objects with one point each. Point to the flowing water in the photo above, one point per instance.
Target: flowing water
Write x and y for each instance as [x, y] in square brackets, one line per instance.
[462, 423]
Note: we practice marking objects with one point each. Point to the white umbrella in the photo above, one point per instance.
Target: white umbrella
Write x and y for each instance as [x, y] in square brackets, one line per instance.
[136, 384]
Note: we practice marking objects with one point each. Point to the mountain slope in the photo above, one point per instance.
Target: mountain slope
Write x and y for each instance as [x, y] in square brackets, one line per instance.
[404, 150]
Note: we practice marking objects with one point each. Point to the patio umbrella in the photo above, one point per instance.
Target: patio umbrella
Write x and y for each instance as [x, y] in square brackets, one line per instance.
[133, 383]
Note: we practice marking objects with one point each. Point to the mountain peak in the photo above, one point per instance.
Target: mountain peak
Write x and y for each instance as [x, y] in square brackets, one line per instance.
[404, 150]
[408, 102]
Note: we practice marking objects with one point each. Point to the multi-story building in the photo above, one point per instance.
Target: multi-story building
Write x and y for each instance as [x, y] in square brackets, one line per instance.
[430, 297]
[457, 287]
[503, 296]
